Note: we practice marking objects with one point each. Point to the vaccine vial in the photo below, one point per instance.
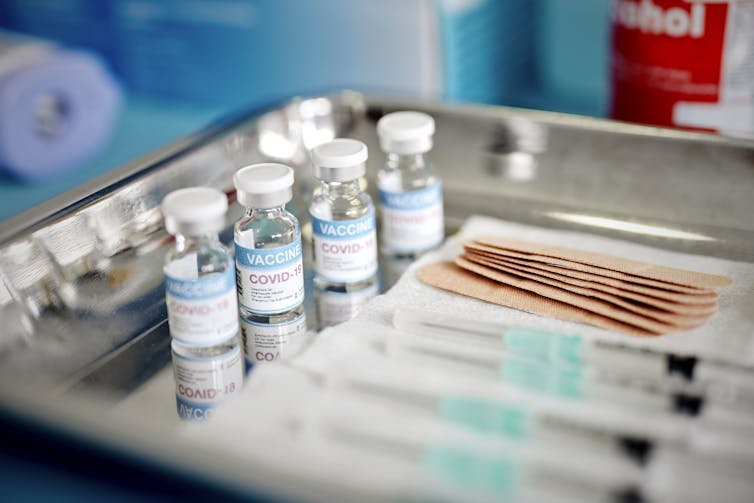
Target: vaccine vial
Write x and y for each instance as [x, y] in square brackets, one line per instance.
[410, 192]
[200, 294]
[343, 220]
[269, 263]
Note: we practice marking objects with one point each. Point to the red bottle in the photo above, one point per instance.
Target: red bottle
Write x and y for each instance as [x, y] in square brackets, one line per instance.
[684, 63]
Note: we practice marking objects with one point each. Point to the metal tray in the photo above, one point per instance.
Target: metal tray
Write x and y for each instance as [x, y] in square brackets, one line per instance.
[81, 294]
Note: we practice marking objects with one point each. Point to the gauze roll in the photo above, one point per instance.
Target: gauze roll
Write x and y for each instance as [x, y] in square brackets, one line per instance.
[57, 107]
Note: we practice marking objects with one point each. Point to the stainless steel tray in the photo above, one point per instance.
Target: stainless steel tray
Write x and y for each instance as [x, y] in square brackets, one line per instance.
[81, 295]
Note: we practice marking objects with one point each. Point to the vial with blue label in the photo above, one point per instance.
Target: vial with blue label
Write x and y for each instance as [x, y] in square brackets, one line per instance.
[343, 220]
[269, 263]
[200, 294]
[410, 192]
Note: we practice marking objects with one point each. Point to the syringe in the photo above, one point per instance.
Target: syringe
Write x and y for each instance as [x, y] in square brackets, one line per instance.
[572, 383]
[728, 384]
[392, 425]
[479, 399]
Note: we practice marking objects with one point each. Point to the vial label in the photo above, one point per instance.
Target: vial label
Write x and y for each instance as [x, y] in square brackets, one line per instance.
[270, 280]
[202, 383]
[413, 220]
[204, 310]
[345, 251]
[270, 342]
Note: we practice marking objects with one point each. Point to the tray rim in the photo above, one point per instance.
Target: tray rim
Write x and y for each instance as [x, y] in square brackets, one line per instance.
[97, 188]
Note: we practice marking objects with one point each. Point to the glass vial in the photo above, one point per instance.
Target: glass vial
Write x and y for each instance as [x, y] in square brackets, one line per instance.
[410, 192]
[343, 221]
[200, 294]
[269, 263]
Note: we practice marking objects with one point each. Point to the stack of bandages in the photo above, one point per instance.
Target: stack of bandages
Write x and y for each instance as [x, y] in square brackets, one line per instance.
[602, 290]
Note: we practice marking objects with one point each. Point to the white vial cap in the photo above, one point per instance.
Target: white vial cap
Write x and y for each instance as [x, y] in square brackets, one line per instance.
[406, 133]
[264, 185]
[339, 160]
[194, 211]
